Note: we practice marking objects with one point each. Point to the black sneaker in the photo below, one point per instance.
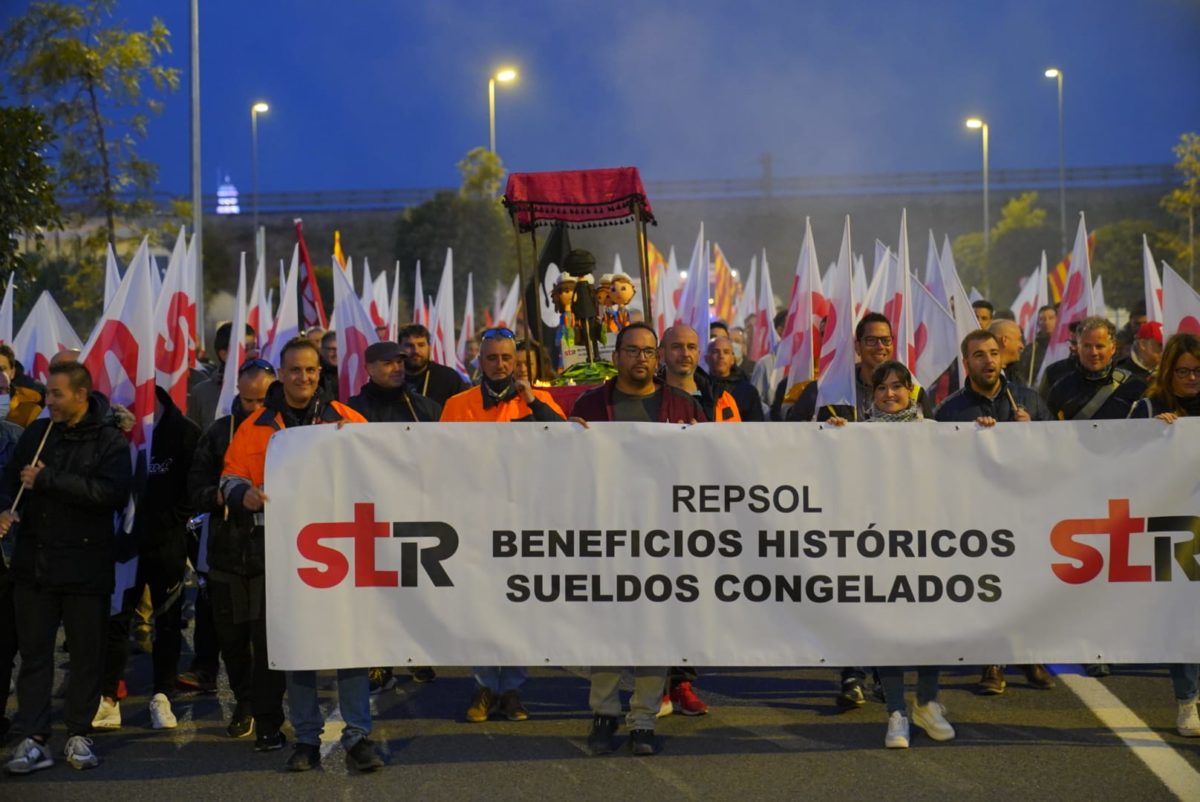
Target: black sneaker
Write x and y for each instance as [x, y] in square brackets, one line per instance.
[363, 756]
[305, 757]
[270, 741]
[423, 674]
[241, 723]
[641, 742]
[381, 680]
[600, 738]
[851, 694]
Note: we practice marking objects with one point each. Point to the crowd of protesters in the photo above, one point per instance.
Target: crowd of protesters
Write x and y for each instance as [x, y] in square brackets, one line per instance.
[67, 475]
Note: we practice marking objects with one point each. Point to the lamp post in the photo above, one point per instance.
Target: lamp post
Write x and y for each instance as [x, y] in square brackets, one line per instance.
[975, 122]
[1056, 73]
[255, 110]
[504, 76]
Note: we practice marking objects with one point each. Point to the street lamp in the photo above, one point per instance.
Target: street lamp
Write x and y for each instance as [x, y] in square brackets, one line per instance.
[255, 110]
[504, 76]
[975, 122]
[1056, 73]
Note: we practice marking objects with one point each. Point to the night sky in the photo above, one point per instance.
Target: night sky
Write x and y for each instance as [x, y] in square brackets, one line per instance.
[392, 94]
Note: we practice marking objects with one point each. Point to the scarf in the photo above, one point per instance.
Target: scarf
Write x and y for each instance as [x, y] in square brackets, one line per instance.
[912, 413]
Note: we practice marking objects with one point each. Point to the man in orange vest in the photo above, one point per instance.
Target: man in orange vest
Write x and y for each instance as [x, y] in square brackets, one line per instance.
[500, 396]
[293, 401]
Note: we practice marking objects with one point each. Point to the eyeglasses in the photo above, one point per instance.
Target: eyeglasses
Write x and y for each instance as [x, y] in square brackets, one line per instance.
[1184, 373]
[633, 352]
[502, 333]
[871, 342]
[256, 364]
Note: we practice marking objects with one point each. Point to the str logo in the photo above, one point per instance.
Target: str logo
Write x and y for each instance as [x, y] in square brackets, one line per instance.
[1120, 528]
[364, 531]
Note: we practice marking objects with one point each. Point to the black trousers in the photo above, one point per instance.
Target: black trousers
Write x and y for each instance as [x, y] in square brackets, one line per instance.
[162, 571]
[205, 646]
[85, 620]
[241, 625]
[8, 640]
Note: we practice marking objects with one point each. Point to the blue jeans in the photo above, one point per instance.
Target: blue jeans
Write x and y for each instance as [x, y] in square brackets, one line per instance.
[892, 680]
[500, 679]
[1186, 679]
[354, 699]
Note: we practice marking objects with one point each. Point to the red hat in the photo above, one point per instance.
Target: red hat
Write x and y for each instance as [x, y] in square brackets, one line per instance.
[1150, 331]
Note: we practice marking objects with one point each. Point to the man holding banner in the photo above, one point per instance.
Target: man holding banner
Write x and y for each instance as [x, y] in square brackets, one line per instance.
[1095, 389]
[291, 402]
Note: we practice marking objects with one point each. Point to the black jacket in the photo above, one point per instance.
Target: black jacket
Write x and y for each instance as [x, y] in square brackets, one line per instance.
[1071, 394]
[966, 405]
[65, 540]
[1054, 372]
[1154, 405]
[805, 408]
[436, 382]
[394, 405]
[749, 403]
[235, 546]
[164, 511]
[1130, 364]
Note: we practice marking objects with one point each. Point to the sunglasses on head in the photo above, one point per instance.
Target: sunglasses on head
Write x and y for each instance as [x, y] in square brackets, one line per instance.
[501, 333]
[256, 364]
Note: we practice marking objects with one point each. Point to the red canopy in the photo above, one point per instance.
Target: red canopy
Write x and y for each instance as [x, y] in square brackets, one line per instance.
[579, 198]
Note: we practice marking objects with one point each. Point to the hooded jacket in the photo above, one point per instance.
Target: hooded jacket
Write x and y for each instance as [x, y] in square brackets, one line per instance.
[65, 540]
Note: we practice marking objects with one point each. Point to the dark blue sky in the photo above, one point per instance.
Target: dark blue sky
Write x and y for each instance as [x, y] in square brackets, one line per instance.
[392, 94]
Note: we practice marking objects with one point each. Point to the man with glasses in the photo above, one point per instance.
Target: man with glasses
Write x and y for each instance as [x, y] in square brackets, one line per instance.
[632, 396]
[500, 398]
[386, 397]
[874, 344]
[991, 397]
[236, 578]
[291, 402]
[425, 377]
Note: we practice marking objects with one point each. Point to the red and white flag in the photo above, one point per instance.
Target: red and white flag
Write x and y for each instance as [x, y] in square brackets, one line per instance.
[765, 337]
[380, 301]
[1025, 305]
[1181, 304]
[1154, 287]
[237, 347]
[394, 306]
[119, 354]
[258, 307]
[873, 300]
[934, 336]
[933, 274]
[44, 333]
[441, 333]
[1077, 302]
[112, 275]
[367, 296]
[664, 300]
[506, 315]
[965, 320]
[799, 347]
[468, 326]
[175, 326]
[897, 301]
[312, 308]
[837, 385]
[6, 312]
[420, 312]
[693, 303]
[287, 318]
[748, 301]
[355, 331]
[1098, 302]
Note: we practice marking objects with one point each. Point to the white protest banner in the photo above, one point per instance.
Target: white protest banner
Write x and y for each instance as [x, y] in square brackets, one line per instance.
[756, 544]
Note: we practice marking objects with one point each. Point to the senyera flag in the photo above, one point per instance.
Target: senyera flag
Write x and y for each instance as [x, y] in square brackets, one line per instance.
[355, 331]
[175, 326]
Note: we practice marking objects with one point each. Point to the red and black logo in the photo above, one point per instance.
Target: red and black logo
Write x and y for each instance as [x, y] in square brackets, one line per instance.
[1121, 529]
[364, 532]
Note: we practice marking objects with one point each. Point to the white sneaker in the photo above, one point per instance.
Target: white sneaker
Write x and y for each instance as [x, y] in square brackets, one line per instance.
[161, 717]
[897, 734]
[932, 719]
[79, 754]
[29, 756]
[1187, 723]
[108, 715]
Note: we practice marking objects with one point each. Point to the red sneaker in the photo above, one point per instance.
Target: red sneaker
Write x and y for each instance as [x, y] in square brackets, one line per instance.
[685, 700]
[122, 691]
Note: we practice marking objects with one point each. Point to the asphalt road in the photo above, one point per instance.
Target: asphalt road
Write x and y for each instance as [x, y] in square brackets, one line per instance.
[771, 734]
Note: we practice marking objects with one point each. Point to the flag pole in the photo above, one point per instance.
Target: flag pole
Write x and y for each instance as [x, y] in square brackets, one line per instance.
[37, 455]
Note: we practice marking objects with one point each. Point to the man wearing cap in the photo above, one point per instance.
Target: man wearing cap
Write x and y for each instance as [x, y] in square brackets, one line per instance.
[1146, 352]
[423, 376]
[387, 398]
[499, 398]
